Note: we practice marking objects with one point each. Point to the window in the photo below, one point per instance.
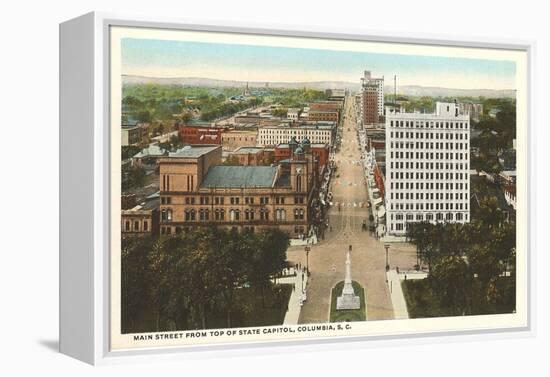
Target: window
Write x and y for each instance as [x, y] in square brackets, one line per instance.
[298, 214]
[136, 226]
[145, 226]
[298, 200]
[127, 226]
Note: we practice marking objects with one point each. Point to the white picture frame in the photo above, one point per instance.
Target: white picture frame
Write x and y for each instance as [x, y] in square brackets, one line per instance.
[85, 185]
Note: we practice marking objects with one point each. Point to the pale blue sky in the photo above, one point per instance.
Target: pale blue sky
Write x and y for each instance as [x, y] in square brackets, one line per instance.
[162, 58]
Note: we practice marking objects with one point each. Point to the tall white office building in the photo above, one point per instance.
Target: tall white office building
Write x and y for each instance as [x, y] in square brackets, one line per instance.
[427, 167]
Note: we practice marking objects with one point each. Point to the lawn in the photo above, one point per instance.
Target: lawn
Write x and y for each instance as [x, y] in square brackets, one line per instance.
[356, 315]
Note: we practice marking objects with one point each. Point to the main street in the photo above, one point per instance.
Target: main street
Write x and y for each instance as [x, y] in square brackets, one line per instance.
[346, 216]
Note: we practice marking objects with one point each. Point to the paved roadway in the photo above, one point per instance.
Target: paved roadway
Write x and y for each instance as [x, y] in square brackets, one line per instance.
[326, 259]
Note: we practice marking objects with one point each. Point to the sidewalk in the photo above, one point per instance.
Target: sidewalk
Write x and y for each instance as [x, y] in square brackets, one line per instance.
[296, 298]
[396, 290]
[397, 298]
[395, 239]
[306, 241]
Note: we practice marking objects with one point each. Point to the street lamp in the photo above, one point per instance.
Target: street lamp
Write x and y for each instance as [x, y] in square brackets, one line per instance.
[387, 261]
[307, 248]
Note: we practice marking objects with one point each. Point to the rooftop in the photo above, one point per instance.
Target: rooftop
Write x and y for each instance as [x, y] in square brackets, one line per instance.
[239, 176]
[192, 151]
[325, 125]
[248, 150]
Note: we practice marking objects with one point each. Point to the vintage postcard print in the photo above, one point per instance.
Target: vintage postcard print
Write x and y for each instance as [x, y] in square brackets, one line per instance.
[274, 188]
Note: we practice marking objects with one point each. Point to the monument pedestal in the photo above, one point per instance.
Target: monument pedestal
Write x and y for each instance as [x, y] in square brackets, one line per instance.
[348, 300]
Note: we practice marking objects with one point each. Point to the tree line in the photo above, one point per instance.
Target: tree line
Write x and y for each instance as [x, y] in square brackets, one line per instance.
[182, 282]
[496, 135]
[471, 266]
[216, 107]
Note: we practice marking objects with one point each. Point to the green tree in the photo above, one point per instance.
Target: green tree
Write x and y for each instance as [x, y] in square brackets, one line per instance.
[134, 282]
[449, 280]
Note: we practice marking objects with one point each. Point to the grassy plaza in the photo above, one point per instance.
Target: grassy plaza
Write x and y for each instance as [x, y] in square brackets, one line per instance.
[347, 315]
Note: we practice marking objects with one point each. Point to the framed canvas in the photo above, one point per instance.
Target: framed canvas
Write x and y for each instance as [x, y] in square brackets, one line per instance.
[229, 187]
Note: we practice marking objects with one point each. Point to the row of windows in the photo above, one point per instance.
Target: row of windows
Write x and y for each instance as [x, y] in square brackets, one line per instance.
[429, 155]
[234, 214]
[136, 226]
[428, 135]
[437, 186]
[234, 200]
[228, 139]
[428, 124]
[429, 206]
[428, 145]
[428, 165]
[248, 229]
[407, 186]
[271, 131]
[428, 175]
[449, 216]
[410, 165]
[279, 140]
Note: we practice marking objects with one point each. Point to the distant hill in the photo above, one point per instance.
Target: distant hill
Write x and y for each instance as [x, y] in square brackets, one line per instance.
[200, 81]
[411, 90]
[417, 90]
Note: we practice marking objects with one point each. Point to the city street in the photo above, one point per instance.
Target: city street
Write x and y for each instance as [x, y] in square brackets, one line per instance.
[346, 216]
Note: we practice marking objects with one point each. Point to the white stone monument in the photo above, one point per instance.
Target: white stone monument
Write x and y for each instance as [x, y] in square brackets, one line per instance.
[348, 300]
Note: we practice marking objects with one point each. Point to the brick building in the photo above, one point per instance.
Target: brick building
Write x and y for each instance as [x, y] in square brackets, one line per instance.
[254, 156]
[320, 150]
[195, 134]
[197, 191]
[323, 115]
[370, 104]
[234, 139]
[141, 220]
